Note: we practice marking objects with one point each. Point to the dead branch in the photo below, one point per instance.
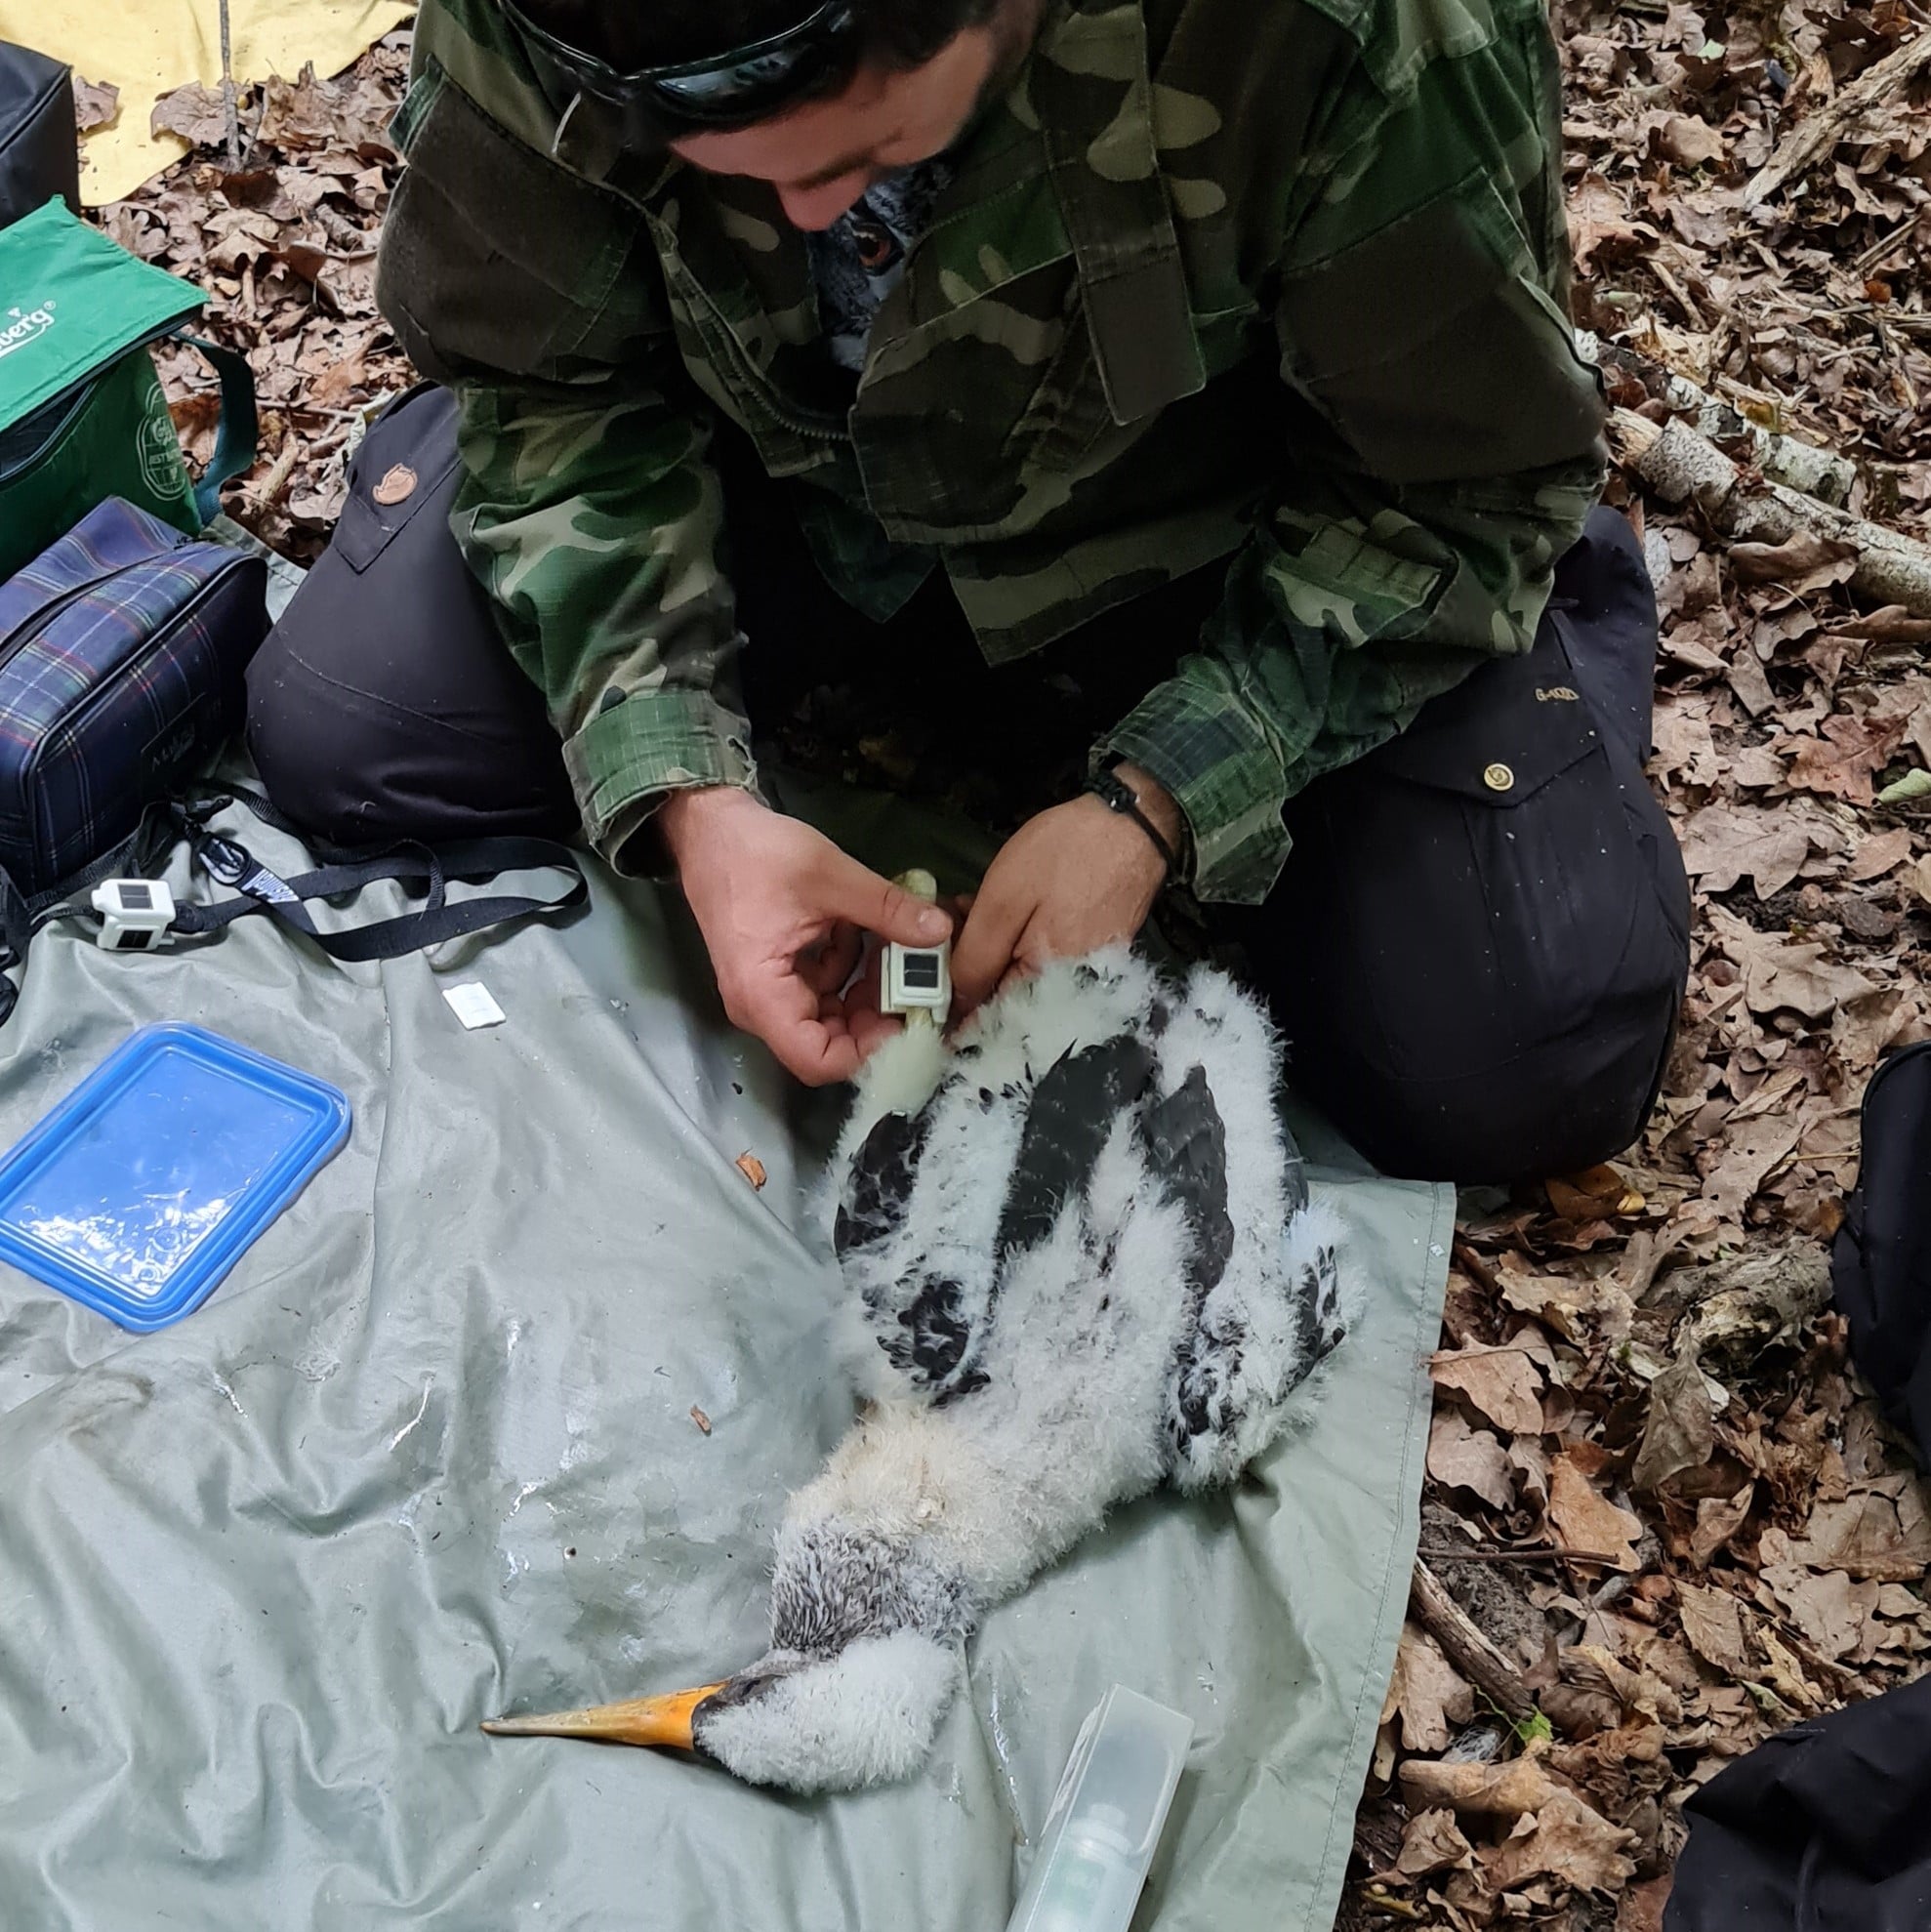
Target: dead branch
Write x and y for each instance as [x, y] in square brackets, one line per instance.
[1681, 466]
[231, 106]
[265, 495]
[1466, 1648]
[1784, 459]
[1817, 134]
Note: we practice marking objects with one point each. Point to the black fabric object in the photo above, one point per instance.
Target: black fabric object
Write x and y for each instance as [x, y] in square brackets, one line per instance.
[39, 148]
[382, 705]
[1481, 978]
[1880, 1262]
[1825, 1828]
[1477, 985]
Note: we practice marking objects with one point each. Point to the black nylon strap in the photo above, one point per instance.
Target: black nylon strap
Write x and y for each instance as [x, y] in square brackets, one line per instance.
[470, 861]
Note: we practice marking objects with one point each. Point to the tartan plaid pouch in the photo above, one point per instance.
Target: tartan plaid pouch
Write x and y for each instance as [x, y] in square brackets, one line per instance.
[122, 648]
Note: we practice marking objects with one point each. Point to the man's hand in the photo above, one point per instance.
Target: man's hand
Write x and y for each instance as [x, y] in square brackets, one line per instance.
[1072, 879]
[784, 914]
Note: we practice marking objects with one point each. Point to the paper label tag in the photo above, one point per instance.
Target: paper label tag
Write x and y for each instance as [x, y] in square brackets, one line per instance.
[473, 1003]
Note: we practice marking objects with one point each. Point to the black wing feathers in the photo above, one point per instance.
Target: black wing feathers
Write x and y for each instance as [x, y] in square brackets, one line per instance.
[1074, 1108]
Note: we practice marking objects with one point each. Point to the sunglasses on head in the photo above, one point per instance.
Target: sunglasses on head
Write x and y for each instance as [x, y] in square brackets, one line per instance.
[730, 90]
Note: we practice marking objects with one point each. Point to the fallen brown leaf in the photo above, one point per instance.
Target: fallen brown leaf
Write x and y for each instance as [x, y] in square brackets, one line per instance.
[96, 104]
[1800, 978]
[1681, 1431]
[1806, 562]
[1881, 853]
[1585, 1520]
[1841, 762]
[1718, 1519]
[1469, 1458]
[1872, 1534]
[1433, 1842]
[1786, 1674]
[1834, 1613]
[1599, 224]
[1713, 1623]
[1597, 1192]
[1723, 844]
[1689, 142]
[1429, 1694]
[1750, 1154]
[193, 112]
[1501, 1383]
[1571, 1842]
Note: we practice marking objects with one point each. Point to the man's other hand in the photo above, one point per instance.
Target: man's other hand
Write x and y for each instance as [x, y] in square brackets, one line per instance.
[784, 914]
[1075, 878]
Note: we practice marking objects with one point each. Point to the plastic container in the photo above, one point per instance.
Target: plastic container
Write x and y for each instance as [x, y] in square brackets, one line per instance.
[146, 1184]
[1106, 1818]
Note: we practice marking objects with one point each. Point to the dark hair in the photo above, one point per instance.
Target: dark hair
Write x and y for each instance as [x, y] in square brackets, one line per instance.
[631, 34]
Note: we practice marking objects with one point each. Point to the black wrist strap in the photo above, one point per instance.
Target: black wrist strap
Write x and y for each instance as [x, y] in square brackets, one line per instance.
[1116, 795]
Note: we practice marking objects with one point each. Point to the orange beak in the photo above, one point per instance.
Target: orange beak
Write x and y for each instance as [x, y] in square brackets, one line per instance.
[650, 1720]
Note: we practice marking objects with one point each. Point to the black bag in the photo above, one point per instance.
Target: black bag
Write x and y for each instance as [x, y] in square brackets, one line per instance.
[394, 580]
[1825, 1828]
[1881, 1265]
[39, 149]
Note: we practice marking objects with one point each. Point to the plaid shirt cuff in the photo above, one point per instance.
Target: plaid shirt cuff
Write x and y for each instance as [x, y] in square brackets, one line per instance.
[1225, 774]
[627, 759]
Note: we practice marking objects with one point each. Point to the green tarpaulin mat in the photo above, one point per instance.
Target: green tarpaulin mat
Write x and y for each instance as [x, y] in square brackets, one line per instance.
[429, 1453]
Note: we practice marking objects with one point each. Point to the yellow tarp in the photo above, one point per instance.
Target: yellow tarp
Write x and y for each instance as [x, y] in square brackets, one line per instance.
[148, 48]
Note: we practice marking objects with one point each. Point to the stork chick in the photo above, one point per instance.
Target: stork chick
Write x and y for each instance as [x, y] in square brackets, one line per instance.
[1083, 1254]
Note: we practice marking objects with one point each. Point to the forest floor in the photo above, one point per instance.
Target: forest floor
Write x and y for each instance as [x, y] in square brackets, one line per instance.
[1655, 1487]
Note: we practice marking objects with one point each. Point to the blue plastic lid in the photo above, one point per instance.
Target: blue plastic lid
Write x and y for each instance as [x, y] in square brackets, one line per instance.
[146, 1184]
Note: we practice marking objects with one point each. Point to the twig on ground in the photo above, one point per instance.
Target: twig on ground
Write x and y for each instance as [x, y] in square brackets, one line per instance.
[265, 495]
[1474, 1267]
[1542, 1553]
[1785, 458]
[1818, 133]
[1466, 1648]
[1680, 465]
[229, 100]
[1381, 1901]
[1878, 251]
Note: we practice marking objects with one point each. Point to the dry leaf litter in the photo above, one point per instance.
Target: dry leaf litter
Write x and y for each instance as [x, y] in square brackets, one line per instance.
[1662, 1517]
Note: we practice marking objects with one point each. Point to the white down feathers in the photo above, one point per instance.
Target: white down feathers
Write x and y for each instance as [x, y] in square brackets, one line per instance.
[1081, 1338]
[1028, 1370]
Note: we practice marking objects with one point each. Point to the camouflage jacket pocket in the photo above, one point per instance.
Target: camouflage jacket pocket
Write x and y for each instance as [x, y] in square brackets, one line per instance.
[965, 421]
[496, 262]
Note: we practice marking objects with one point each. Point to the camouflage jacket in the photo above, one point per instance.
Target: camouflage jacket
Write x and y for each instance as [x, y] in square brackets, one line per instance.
[1274, 281]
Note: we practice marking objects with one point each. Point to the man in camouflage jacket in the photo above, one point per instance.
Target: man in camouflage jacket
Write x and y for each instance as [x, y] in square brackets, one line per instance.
[1259, 299]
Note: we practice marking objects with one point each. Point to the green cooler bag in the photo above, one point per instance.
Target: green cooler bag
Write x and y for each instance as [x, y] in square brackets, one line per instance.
[82, 417]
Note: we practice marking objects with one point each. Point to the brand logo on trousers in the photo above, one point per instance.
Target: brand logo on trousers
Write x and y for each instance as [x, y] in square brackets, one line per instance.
[20, 326]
